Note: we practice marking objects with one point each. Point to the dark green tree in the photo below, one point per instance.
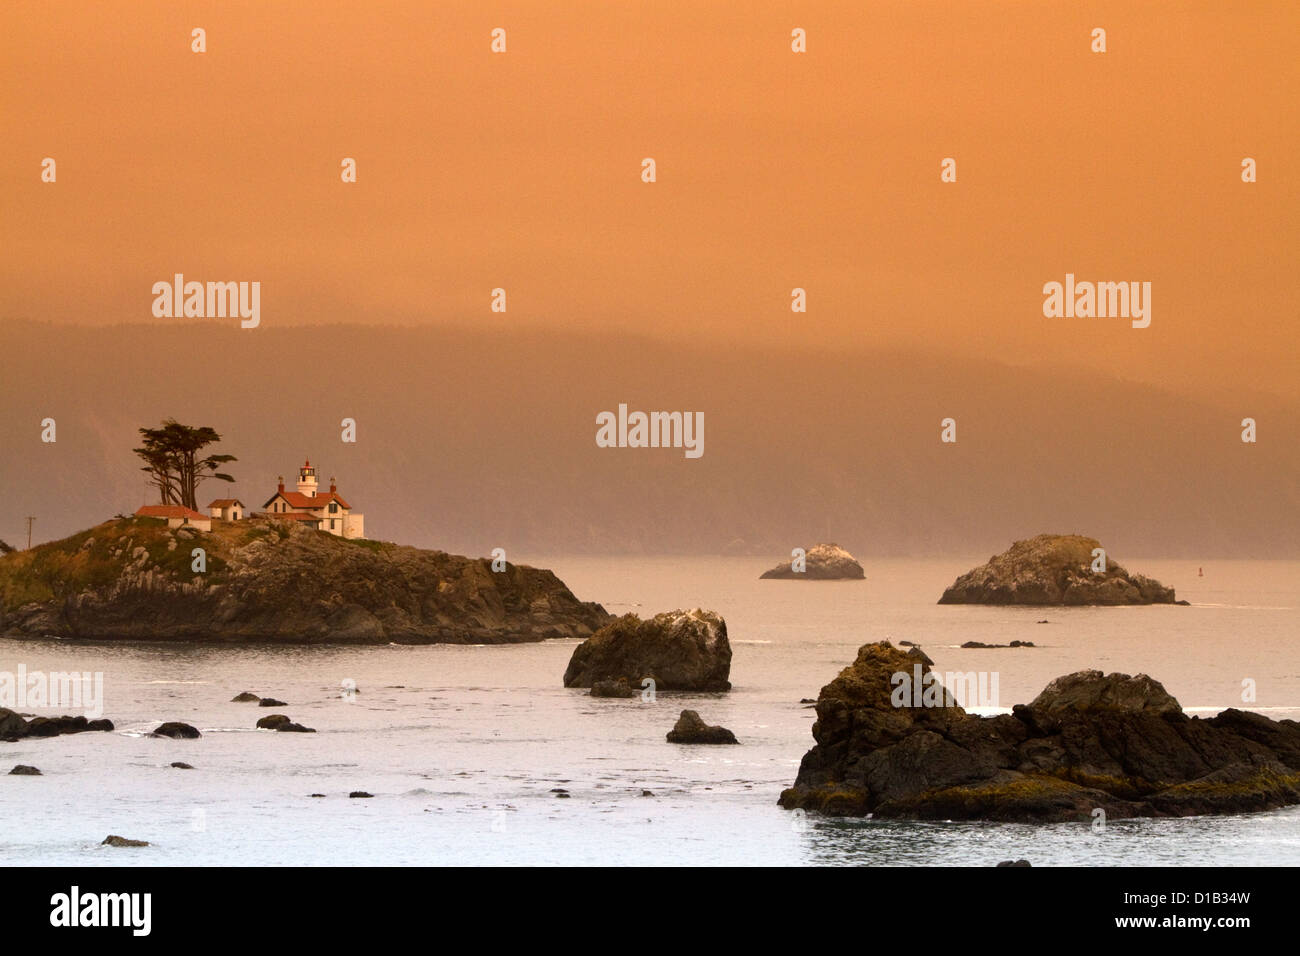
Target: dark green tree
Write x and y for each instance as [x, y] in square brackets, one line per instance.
[175, 461]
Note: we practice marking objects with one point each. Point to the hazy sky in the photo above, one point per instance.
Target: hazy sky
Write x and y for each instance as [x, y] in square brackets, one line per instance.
[775, 170]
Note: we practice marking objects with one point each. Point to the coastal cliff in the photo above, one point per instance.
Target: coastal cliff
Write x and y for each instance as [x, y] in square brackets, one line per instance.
[267, 580]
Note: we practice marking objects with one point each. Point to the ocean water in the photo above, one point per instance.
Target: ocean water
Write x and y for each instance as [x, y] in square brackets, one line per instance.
[462, 747]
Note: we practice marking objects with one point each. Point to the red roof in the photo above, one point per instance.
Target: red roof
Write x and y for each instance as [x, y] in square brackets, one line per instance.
[297, 499]
[225, 503]
[170, 511]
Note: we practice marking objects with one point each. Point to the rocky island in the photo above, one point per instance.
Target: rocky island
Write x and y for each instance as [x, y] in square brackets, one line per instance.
[1089, 741]
[821, 562]
[678, 650]
[267, 580]
[1054, 569]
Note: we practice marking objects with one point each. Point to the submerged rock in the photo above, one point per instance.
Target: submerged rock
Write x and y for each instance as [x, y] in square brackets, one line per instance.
[678, 650]
[1089, 741]
[13, 725]
[114, 840]
[691, 729]
[822, 562]
[177, 730]
[1054, 569]
[612, 688]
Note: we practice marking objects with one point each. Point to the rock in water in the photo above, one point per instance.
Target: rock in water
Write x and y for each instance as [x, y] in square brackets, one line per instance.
[176, 729]
[678, 650]
[114, 840]
[281, 723]
[612, 688]
[822, 562]
[245, 698]
[13, 726]
[23, 770]
[691, 729]
[271, 702]
[1054, 569]
[270, 580]
[1089, 741]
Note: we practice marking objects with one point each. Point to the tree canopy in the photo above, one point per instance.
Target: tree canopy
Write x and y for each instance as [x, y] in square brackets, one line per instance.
[174, 460]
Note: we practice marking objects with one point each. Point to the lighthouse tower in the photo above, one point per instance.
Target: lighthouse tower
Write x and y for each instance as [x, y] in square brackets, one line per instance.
[307, 480]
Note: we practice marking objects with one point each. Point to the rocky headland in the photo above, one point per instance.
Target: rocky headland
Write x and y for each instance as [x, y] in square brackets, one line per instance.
[678, 650]
[268, 580]
[1054, 569]
[822, 562]
[1089, 741]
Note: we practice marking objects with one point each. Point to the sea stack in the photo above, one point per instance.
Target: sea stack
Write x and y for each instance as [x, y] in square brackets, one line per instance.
[822, 562]
[678, 650]
[1089, 741]
[1055, 569]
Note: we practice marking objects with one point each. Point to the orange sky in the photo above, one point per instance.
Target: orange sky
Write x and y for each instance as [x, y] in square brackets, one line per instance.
[776, 170]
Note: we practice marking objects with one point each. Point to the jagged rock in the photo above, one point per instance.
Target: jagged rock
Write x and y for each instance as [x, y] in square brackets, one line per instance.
[1088, 741]
[822, 562]
[245, 698]
[271, 702]
[691, 729]
[114, 840]
[612, 688]
[1054, 569]
[270, 580]
[678, 650]
[23, 770]
[176, 730]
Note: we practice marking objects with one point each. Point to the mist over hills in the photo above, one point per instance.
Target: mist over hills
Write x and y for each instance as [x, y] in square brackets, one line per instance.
[471, 438]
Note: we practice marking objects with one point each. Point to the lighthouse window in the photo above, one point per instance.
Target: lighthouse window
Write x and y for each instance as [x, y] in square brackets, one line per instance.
[333, 509]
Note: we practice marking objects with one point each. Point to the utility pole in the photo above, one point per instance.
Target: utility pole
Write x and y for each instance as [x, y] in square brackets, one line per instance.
[30, 519]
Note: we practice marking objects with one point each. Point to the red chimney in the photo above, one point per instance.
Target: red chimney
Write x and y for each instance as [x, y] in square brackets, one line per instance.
[332, 488]
[281, 480]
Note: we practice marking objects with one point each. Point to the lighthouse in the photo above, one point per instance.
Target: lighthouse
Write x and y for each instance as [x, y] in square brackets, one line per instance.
[307, 480]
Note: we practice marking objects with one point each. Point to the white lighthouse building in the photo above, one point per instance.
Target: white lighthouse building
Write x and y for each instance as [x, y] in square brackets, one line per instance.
[325, 512]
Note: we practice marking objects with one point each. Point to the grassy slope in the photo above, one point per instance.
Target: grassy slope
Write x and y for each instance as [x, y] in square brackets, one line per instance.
[96, 557]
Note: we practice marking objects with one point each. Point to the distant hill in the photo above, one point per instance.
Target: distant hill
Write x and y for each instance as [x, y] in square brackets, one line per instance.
[470, 439]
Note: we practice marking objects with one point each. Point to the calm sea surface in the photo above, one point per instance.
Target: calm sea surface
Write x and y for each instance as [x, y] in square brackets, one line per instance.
[463, 746]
